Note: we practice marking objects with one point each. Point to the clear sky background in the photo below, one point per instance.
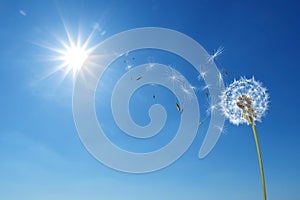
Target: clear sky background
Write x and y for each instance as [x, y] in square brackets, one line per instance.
[41, 154]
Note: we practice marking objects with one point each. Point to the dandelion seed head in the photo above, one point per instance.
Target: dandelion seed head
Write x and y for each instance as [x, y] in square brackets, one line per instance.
[244, 98]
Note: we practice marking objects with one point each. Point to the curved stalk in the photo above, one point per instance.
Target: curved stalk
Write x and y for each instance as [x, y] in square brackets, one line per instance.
[259, 159]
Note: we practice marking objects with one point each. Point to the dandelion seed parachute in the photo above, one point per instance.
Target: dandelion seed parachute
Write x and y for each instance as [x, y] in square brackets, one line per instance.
[249, 87]
[218, 52]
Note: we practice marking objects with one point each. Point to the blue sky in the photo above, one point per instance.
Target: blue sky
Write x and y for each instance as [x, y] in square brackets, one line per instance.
[41, 154]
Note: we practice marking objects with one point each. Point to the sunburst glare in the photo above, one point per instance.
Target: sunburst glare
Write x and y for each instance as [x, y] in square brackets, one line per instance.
[74, 57]
[71, 54]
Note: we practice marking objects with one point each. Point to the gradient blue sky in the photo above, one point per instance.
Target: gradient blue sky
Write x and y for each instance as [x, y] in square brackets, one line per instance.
[41, 154]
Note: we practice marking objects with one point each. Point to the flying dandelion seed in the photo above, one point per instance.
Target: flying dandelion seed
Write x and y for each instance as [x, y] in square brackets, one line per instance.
[199, 77]
[188, 92]
[175, 77]
[220, 128]
[218, 52]
[193, 88]
[206, 94]
[207, 86]
[213, 105]
[220, 78]
[178, 107]
[202, 75]
[150, 67]
[128, 67]
[212, 108]
[246, 101]
[226, 73]
[180, 110]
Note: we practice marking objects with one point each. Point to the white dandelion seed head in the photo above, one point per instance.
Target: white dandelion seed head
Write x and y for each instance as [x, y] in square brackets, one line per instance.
[240, 92]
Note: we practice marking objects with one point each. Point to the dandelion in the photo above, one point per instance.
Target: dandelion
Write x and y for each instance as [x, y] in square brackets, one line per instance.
[246, 101]
[237, 94]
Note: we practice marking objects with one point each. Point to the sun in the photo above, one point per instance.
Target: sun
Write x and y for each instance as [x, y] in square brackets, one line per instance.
[71, 54]
[74, 57]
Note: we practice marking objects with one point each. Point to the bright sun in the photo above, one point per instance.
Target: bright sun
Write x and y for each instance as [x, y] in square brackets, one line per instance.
[74, 57]
[72, 54]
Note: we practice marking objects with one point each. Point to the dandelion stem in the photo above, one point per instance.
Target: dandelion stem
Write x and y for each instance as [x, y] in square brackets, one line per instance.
[259, 159]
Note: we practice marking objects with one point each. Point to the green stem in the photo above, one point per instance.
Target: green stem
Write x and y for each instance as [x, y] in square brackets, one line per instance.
[260, 160]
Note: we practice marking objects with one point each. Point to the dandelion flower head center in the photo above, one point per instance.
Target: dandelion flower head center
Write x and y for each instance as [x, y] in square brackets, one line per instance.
[244, 102]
